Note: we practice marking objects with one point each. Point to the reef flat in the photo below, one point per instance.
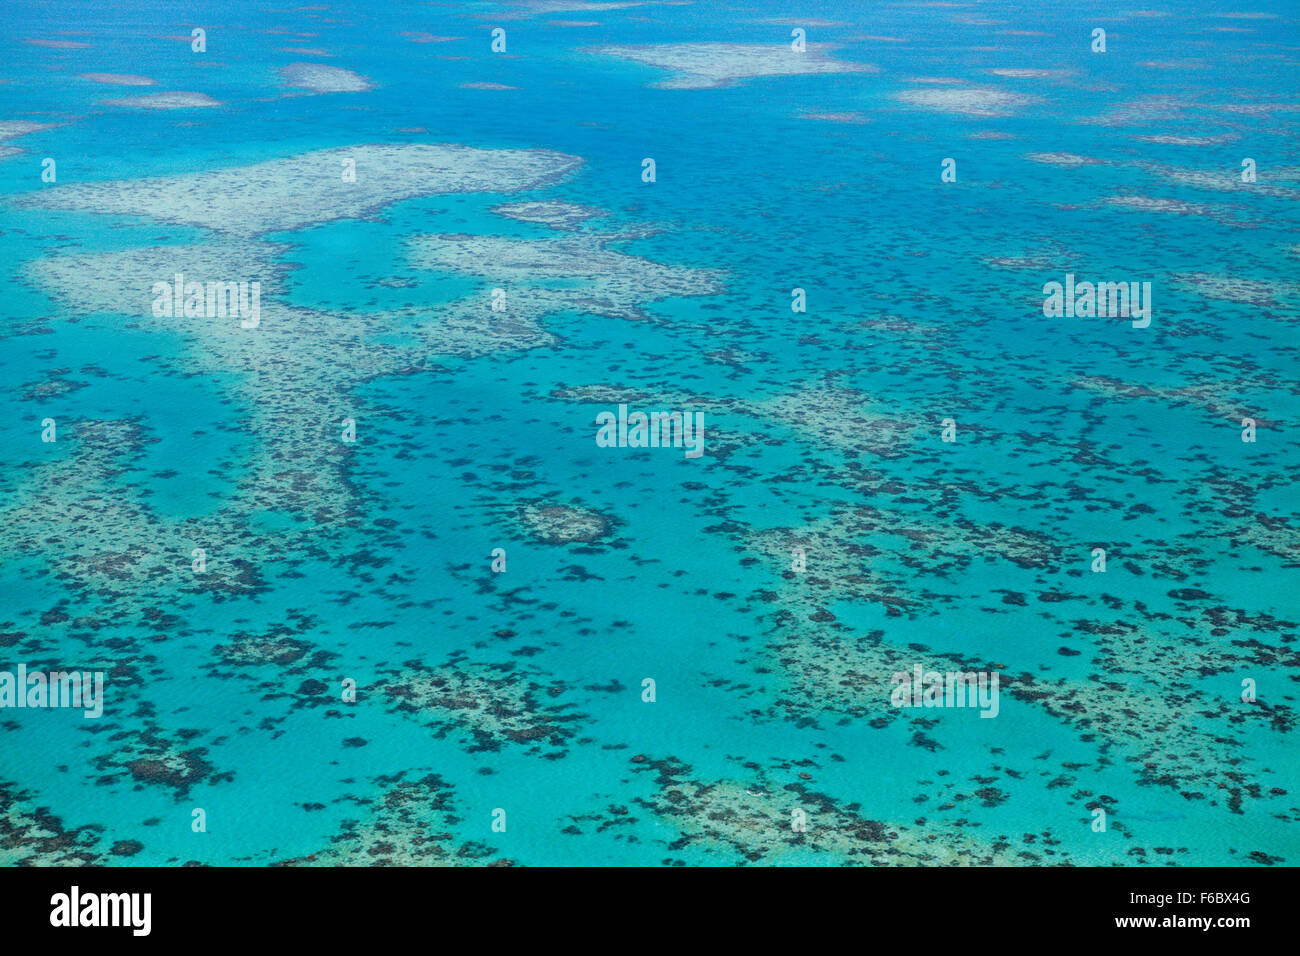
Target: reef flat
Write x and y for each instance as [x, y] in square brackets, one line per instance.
[979, 102]
[309, 188]
[317, 78]
[407, 826]
[700, 66]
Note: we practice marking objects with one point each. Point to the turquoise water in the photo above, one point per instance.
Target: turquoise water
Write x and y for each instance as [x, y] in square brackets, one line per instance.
[1121, 690]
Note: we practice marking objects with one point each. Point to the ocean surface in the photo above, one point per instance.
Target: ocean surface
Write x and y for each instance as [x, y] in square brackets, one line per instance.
[362, 583]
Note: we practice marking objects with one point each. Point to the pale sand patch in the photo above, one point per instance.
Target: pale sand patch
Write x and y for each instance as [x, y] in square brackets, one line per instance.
[701, 66]
[1189, 140]
[329, 349]
[854, 118]
[164, 101]
[554, 213]
[11, 128]
[561, 524]
[396, 832]
[1255, 109]
[34, 837]
[751, 821]
[1020, 263]
[61, 44]
[1142, 111]
[305, 189]
[1150, 204]
[1174, 64]
[317, 78]
[971, 19]
[1234, 289]
[574, 273]
[1226, 180]
[1028, 74]
[839, 417]
[121, 282]
[1210, 397]
[1062, 159]
[118, 79]
[796, 22]
[427, 38]
[968, 102]
[536, 7]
